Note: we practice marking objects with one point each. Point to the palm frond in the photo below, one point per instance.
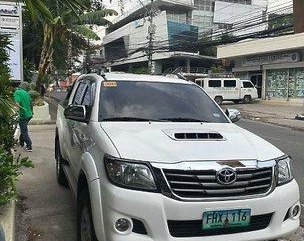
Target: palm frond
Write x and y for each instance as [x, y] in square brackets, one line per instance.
[97, 17]
[6, 106]
[37, 6]
[85, 32]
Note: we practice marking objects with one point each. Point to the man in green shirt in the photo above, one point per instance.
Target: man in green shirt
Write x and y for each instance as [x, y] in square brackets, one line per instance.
[24, 103]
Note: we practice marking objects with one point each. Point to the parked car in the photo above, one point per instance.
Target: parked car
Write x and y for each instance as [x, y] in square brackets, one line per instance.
[154, 158]
[232, 89]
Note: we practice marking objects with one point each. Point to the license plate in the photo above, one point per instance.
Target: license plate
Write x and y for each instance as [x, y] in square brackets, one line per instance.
[226, 219]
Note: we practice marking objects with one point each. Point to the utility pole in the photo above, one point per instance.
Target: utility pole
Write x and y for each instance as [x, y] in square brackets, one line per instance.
[151, 34]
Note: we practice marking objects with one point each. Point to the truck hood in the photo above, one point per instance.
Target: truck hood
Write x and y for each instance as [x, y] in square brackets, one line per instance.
[155, 142]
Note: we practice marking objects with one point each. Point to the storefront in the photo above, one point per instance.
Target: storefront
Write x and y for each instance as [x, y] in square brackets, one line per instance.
[274, 65]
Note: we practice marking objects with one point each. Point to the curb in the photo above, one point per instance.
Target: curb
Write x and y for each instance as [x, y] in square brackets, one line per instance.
[7, 222]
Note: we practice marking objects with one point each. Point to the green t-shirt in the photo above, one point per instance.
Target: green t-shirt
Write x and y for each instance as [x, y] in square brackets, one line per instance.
[23, 98]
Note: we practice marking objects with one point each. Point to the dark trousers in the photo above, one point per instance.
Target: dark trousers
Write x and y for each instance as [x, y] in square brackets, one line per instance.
[24, 135]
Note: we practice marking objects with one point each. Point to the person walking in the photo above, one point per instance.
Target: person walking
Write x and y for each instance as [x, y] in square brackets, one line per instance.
[24, 104]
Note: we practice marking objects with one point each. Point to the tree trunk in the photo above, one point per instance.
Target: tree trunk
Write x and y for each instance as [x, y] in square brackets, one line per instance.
[46, 53]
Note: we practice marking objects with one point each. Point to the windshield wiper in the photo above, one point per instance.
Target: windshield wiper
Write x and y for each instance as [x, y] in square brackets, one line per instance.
[183, 120]
[125, 118]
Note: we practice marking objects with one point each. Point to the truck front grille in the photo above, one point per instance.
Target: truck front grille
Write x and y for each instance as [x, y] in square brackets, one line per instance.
[204, 184]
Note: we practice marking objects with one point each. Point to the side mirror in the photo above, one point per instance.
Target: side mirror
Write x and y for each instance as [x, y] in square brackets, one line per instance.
[233, 114]
[76, 112]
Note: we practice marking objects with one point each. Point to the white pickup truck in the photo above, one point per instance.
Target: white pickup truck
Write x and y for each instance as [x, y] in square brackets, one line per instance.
[151, 158]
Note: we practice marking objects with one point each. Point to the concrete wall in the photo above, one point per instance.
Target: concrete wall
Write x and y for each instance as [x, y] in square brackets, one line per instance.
[261, 46]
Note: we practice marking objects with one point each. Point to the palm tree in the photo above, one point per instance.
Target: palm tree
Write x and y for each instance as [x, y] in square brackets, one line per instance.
[38, 6]
[68, 22]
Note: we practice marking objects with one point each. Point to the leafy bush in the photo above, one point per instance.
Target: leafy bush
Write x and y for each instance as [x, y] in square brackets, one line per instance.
[9, 169]
[36, 98]
[9, 173]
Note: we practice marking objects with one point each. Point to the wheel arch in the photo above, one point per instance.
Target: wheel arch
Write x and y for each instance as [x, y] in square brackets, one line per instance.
[88, 178]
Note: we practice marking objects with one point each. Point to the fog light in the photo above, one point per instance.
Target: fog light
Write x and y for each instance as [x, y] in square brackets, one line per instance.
[295, 211]
[123, 225]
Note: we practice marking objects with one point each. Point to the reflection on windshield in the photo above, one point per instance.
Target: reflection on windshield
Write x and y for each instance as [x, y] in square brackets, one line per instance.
[157, 101]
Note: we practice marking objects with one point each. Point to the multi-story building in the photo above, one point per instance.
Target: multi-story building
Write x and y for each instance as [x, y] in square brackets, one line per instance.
[174, 38]
[177, 26]
[222, 15]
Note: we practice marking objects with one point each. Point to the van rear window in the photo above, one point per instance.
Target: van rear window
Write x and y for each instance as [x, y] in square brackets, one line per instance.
[229, 83]
[215, 83]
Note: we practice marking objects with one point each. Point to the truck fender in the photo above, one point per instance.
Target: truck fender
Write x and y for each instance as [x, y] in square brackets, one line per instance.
[91, 173]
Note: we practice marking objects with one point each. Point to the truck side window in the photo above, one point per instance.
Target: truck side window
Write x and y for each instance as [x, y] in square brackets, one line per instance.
[215, 83]
[79, 93]
[229, 83]
[87, 98]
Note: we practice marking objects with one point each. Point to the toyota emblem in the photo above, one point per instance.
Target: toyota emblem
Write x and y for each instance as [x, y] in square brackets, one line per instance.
[226, 176]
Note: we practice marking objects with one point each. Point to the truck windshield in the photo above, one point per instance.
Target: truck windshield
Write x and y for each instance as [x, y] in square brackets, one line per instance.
[156, 101]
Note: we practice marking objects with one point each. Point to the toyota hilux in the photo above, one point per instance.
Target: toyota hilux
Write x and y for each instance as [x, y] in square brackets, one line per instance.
[151, 158]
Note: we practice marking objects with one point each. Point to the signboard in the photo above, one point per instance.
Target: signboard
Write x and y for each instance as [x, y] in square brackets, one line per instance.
[272, 59]
[9, 10]
[9, 22]
[10, 25]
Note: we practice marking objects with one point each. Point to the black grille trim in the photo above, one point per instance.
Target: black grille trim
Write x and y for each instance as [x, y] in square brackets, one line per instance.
[193, 228]
[203, 184]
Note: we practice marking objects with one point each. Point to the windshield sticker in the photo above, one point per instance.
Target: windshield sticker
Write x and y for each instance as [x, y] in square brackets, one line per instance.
[110, 84]
[216, 115]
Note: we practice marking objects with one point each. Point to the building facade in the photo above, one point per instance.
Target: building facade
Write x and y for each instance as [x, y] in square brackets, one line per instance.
[218, 16]
[174, 38]
[275, 65]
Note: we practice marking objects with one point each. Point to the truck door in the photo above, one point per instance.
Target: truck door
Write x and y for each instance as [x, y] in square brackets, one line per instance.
[72, 137]
[231, 90]
[81, 131]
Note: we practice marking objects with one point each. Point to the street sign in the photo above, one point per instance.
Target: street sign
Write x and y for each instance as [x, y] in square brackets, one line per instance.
[11, 25]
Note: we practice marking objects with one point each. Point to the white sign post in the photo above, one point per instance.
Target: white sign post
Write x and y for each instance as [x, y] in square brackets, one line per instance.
[11, 25]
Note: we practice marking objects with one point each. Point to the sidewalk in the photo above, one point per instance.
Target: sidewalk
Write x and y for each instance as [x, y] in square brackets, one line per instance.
[45, 210]
[273, 113]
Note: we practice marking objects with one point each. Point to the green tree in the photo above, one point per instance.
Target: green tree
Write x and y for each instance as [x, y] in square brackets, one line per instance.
[69, 27]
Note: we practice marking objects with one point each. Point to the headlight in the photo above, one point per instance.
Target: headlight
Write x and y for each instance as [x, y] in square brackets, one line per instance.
[131, 175]
[284, 173]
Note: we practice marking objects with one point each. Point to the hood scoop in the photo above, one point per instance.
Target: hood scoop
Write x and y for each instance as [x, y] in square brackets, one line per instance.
[192, 135]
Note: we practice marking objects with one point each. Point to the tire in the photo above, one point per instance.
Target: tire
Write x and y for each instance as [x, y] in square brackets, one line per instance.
[218, 100]
[85, 227]
[247, 99]
[60, 175]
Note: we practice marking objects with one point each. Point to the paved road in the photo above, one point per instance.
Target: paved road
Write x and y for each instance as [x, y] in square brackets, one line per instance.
[289, 141]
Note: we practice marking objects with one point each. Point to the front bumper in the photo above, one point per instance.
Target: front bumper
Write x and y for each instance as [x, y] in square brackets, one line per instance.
[155, 209]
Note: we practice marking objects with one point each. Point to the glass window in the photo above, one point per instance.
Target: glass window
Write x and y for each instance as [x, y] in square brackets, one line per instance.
[215, 83]
[247, 84]
[79, 93]
[157, 101]
[87, 96]
[229, 83]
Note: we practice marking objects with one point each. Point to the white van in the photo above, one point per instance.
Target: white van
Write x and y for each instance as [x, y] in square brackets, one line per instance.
[232, 89]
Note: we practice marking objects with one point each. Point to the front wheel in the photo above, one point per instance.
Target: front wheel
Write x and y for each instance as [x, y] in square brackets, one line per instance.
[218, 100]
[247, 99]
[61, 178]
[85, 227]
